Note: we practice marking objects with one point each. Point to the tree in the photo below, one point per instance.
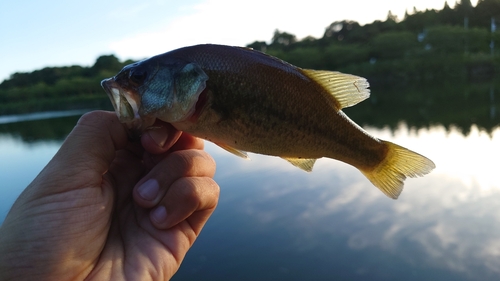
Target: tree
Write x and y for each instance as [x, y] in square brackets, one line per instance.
[447, 15]
[464, 8]
[392, 17]
[107, 62]
[341, 31]
[417, 21]
[283, 38]
[484, 11]
[258, 45]
[447, 40]
[393, 45]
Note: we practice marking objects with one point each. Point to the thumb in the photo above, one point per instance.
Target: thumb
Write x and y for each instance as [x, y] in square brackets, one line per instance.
[88, 150]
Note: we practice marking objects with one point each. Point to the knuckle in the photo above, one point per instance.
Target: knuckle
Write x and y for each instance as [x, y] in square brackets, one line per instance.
[192, 163]
[209, 158]
[180, 161]
[214, 187]
[195, 193]
[189, 191]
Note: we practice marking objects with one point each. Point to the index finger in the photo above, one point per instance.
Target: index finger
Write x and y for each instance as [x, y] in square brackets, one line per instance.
[163, 137]
[159, 138]
[187, 141]
[184, 142]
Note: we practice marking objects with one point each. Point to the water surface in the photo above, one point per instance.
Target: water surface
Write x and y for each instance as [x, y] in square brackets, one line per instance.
[276, 222]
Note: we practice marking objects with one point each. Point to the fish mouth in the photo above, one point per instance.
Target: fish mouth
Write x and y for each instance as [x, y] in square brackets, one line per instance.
[125, 106]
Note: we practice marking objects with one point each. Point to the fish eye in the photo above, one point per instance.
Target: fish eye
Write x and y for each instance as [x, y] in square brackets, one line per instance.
[138, 76]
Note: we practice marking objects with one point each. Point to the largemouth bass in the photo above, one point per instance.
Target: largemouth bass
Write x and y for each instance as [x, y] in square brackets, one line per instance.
[244, 100]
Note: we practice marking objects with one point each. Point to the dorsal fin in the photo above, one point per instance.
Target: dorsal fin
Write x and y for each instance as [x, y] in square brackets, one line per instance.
[347, 89]
[302, 163]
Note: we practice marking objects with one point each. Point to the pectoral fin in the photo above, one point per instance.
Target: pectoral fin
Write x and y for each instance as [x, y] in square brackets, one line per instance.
[303, 163]
[347, 89]
[233, 150]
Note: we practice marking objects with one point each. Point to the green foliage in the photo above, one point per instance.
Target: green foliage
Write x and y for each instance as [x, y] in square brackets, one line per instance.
[57, 88]
[394, 44]
[458, 104]
[104, 63]
[282, 39]
[425, 47]
[37, 130]
[454, 39]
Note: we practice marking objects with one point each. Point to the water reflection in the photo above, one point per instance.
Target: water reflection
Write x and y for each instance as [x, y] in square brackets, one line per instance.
[332, 222]
[276, 222]
[20, 162]
[27, 143]
[6, 119]
[454, 104]
[40, 126]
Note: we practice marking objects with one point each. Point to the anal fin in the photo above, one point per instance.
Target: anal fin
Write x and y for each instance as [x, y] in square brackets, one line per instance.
[302, 163]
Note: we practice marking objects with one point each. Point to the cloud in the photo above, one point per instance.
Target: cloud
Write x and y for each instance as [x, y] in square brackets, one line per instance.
[441, 219]
[234, 23]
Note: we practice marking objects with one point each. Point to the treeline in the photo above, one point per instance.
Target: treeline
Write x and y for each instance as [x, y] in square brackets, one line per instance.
[58, 88]
[425, 46]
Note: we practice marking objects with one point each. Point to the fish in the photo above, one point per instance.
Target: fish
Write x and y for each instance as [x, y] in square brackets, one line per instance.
[244, 100]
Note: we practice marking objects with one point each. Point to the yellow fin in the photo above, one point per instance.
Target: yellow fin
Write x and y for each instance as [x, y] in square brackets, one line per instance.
[399, 163]
[347, 89]
[303, 163]
[233, 150]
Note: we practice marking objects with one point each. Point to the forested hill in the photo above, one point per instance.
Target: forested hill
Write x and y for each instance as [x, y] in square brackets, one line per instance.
[452, 44]
[58, 88]
[424, 46]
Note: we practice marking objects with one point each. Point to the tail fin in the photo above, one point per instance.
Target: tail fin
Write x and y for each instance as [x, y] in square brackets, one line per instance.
[399, 163]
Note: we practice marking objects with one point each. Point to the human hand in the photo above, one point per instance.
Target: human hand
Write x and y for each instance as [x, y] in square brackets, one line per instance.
[83, 217]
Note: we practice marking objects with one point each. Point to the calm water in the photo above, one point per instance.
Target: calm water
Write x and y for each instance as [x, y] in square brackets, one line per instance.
[276, 222]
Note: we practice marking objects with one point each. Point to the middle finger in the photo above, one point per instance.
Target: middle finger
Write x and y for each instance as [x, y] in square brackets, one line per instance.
[185, 163]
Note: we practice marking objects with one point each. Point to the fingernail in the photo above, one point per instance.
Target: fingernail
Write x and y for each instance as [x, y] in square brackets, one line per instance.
[149, 190]
[159, 214]
[159, 135]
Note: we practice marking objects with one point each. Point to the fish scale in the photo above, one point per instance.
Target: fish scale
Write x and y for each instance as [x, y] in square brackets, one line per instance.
[288, 107]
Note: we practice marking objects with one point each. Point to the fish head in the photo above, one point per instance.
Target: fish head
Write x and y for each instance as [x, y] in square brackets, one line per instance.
[156, 88]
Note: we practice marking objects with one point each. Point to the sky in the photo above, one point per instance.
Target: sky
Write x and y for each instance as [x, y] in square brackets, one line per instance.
[40, 33]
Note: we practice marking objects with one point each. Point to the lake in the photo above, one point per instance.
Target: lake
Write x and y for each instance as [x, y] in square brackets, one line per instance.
[276, 222]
